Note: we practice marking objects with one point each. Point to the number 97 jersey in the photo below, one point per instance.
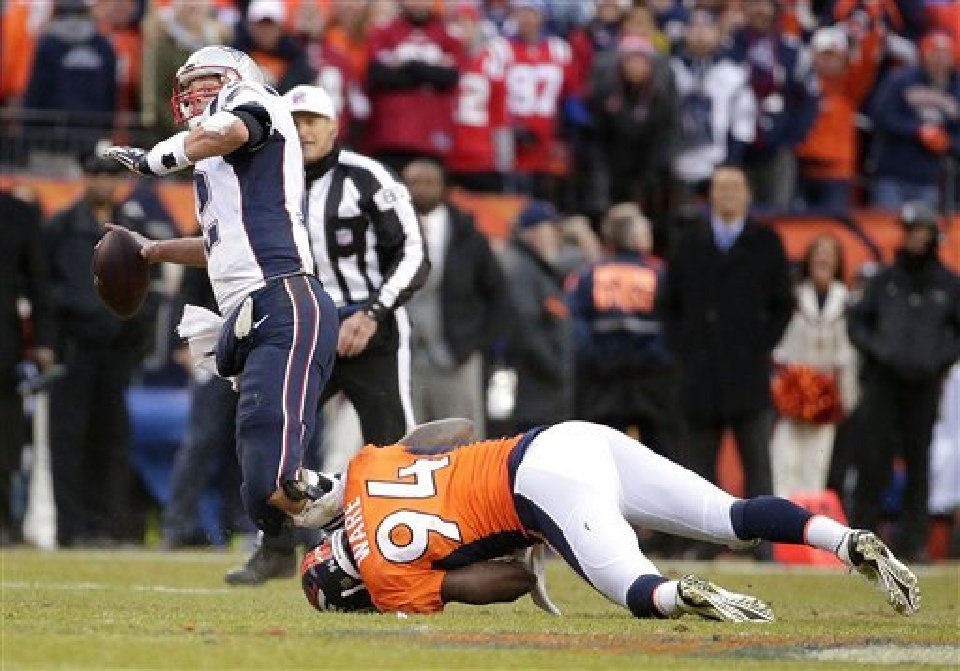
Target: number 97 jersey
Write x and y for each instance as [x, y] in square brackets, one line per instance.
[412, 515]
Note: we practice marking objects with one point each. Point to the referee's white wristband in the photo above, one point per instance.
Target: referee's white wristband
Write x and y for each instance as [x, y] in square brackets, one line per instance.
[169, 155]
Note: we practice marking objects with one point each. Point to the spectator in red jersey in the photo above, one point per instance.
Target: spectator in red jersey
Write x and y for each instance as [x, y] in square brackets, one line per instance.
[262, 36]
[945, 15]
[483, 150]
[828, 154]
[413, 74]
[540, 77]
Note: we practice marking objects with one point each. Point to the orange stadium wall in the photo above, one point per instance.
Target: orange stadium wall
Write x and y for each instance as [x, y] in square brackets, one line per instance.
[495, 213]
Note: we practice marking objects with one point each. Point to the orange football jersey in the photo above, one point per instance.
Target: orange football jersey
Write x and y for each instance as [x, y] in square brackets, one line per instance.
[410, 515]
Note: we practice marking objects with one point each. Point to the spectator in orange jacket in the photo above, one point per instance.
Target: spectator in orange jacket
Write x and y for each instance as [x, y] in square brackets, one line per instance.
[20, 25]
[828, 154]
[119, 22]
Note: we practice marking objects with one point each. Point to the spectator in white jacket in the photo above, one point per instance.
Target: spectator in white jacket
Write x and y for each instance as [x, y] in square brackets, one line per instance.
[816, 337]
[718, 115]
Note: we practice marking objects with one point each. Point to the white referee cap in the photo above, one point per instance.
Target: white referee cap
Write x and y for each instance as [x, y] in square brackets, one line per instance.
[311, 99]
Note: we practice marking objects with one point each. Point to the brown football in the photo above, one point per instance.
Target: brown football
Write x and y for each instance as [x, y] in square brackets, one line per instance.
[120, 275]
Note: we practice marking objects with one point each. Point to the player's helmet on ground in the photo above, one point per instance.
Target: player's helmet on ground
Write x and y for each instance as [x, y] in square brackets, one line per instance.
[330, 580]
[225, 63]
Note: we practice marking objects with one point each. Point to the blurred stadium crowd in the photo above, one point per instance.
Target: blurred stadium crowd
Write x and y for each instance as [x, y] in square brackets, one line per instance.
[611, 118]
[585, 103]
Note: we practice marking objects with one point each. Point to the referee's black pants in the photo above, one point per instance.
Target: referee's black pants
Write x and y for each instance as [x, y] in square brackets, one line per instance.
[377, 383]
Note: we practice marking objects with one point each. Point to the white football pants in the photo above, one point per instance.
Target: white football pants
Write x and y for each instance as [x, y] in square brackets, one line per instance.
[594, 482]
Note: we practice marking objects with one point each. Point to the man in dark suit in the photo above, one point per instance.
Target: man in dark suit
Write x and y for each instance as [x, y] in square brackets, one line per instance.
[458, 311]
[23, 272]
[726, 302]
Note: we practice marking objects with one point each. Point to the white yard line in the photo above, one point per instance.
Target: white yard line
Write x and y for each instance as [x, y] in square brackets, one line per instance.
[887, 654]
[97, 586]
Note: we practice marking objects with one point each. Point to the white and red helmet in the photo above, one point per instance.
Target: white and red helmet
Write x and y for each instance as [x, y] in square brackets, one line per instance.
[225, 63]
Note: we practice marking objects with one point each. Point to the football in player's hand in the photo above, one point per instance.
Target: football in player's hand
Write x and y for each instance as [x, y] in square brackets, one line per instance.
[120, 275]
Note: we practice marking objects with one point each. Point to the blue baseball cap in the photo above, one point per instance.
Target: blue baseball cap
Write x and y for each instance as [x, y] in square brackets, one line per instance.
[537, 212]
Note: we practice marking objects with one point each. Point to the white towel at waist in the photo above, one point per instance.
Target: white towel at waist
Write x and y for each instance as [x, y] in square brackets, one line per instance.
[201, 329]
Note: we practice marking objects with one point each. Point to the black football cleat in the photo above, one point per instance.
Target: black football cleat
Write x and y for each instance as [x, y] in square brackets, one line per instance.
[264, 564]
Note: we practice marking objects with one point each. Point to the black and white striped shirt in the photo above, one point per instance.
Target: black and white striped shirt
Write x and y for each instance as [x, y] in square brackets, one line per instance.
[364, 233]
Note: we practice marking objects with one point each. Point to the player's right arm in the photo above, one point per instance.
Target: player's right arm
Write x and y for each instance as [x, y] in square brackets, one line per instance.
[182, 251]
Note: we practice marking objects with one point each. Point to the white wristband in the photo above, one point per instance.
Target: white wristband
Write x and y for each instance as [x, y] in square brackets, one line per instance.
[169, 155]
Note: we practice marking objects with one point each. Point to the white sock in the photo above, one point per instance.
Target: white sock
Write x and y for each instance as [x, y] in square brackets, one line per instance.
[665, 598]
[827, 534]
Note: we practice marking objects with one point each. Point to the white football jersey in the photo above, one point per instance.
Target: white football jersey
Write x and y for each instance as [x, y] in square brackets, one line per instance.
[250, 202]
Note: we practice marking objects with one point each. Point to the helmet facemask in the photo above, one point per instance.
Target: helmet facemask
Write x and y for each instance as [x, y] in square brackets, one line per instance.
[221, 66]
[190, 102]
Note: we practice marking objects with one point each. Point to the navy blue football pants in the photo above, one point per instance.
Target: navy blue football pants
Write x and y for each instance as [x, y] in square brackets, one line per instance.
[286, 360]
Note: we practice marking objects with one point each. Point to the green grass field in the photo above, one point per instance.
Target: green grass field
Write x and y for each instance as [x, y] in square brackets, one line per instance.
[152, 610]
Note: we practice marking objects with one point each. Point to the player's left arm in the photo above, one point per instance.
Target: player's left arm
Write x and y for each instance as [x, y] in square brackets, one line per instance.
[487, 582]
[398, 229]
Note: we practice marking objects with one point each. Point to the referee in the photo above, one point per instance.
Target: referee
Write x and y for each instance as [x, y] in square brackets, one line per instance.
[370, 257]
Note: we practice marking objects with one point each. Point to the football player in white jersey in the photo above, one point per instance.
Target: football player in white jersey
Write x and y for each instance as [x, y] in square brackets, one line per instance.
[280, 330]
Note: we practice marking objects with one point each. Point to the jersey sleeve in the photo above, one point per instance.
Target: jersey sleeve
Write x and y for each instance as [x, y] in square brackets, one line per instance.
[237, 94]
[408, 590]
[249, 104]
